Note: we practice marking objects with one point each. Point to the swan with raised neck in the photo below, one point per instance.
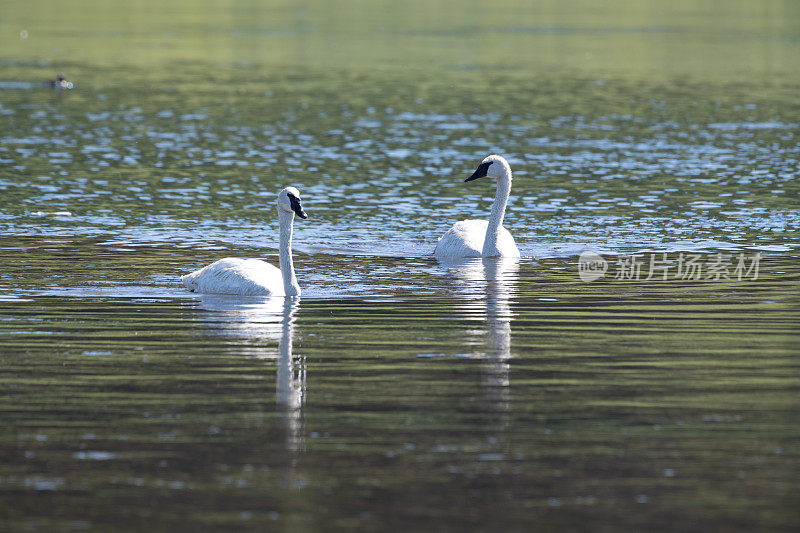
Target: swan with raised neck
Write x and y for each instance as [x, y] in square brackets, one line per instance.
[254, 277]
[482, 238]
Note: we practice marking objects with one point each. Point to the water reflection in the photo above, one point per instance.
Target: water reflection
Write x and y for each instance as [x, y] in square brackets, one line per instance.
[488, 287]
[261, 318]
[501, 286]
[268, 319]
[291, 383]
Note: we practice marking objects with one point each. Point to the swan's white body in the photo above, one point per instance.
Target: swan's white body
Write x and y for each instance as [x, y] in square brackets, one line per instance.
[254, 277]
[234, 275]
[482, 238]
[467, 239]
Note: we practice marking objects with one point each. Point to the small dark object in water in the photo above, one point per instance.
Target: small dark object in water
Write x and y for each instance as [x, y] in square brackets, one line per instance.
[60, 83]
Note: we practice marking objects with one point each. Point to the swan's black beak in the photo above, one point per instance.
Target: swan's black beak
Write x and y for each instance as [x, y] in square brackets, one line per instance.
[296, 207]
[481, 171]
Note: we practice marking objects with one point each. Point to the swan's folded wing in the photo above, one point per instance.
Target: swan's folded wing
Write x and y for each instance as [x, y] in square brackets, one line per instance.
[246, 277]
[464, 239]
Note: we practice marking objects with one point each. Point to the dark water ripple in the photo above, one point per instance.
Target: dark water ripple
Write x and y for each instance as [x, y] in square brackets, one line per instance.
[605, 401]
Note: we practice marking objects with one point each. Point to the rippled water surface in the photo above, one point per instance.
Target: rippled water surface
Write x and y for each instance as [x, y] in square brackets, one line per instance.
[400, 393]
[383, 174]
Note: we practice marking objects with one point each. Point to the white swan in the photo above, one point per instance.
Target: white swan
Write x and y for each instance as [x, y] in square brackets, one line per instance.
[481, 238]
[254, 277]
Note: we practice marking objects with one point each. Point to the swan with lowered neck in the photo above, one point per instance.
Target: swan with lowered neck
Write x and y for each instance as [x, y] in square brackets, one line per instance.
[481, 238]
[254, 277]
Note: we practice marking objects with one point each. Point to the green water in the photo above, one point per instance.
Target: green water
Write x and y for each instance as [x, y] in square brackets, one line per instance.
[399, 393]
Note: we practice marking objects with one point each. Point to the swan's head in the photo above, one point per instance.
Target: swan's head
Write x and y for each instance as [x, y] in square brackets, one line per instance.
[289, 201]
[494, 166]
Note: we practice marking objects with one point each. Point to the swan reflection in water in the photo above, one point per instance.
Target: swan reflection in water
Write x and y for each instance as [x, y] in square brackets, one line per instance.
[488, 287]
[268, 319]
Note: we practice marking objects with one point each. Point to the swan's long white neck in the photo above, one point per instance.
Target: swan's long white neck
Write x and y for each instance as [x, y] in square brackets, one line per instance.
[498, 213]
[285, 222]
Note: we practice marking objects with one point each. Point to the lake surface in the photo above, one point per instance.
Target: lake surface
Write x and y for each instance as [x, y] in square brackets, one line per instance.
[400, 393]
